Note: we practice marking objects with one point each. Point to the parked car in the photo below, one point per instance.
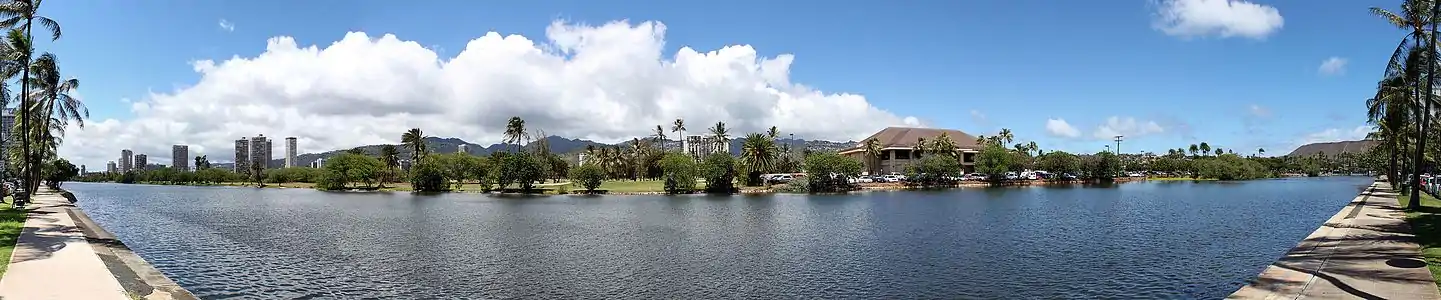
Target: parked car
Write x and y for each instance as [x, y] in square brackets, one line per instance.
[1068, 176]
[781, 178]
[976, 176]
[1012, 176]
[1137, 174]
[863, 179]
[892, 178]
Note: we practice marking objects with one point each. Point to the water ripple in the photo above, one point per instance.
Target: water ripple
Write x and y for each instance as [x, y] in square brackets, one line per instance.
[1150, 240]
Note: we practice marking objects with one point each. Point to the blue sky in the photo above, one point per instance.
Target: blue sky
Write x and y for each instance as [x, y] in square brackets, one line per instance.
[972, 65]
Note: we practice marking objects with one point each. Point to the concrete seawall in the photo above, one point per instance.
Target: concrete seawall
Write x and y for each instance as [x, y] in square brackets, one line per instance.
[1364, 251]
[63, 254]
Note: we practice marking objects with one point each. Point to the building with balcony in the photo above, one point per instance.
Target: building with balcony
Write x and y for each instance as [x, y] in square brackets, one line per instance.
[897, 146]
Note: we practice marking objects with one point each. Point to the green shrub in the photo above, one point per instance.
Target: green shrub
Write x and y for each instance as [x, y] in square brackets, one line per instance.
[719, 172]
[819, 168]
[680, 173]
[588, 177]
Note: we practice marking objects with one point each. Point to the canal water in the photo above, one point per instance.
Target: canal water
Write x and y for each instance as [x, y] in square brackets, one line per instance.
[1135, 240]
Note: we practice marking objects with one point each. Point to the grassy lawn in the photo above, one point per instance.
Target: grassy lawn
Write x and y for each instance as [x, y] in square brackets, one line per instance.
[11, 221]
[1426, 224]
[626, 186]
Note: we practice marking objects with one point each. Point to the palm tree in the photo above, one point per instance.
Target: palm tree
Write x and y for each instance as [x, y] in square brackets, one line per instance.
[919, 148]
[944, 145]
[514, 132]
[51, 94]
[391, 157]
[1032, 146]
[758, 155]
[1205, 149]
[1260, 151]
[873, 150]
[1389, 112]
[1415, 16]
[660, 136]
[679, 128]
[24, 14]
[982, 140]
[772, 133]
[1219, 152]
[1005, 136]
[720, 133]
[415, 140]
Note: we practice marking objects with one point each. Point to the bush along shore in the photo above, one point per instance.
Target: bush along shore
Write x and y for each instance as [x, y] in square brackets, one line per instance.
[647, 166]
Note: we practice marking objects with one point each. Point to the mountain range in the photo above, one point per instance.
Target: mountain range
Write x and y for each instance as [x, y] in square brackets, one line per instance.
[566, 146]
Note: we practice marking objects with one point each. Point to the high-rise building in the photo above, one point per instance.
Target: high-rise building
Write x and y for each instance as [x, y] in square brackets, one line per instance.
[242, 155]
[110, 167]
[290, 152]
[82, 169]
[7, 128]
[127, 162]
[180, 157]
[463, 148]
[260, 152]
[318, 163]
[141, 161]
[699, 146]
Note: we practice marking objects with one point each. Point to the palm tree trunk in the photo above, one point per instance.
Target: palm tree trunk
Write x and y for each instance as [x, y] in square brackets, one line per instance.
[29, 180]
[1415, 201]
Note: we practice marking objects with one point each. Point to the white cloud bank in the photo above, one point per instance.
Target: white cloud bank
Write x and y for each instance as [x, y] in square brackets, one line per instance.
[1332, 66]
[1222, 18]
[1128, 126]
[607, 83]
[1060, 128]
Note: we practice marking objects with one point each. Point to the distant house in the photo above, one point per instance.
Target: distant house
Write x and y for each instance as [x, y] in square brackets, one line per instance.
[898, 148]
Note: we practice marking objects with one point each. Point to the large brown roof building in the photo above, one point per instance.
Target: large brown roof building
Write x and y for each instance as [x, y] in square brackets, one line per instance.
[898, 145]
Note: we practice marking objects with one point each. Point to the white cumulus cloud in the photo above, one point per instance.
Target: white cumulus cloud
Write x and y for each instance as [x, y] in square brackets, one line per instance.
[1128, 126]
[1060, 128]
[608, 83]
[1332, 66]
[1223, 18]
[227, 25]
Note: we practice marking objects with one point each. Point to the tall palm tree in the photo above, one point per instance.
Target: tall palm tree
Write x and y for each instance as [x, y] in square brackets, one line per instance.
[1260, 151]
[51, 94]
[873, 150]
[679, 128]
[758, 155]
[514, 132]
[391, 157]
[720, 133]
[1205, 149]
[415, 140]
[659, 135]
[1005, 136]
[22, 15]
[772, 133]
[1415, 16]
[1032, 146]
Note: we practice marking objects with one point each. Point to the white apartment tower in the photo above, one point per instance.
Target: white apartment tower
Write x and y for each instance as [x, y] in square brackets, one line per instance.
[463, 148]
[127, 161]
[290, 152]
[699, 146]
[180, 157]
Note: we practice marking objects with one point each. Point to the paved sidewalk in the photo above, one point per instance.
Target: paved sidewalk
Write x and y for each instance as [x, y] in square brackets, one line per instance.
[53, 260]
[1365, 251]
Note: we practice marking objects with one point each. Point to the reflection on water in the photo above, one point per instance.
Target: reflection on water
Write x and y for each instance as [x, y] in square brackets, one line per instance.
[1141, 240]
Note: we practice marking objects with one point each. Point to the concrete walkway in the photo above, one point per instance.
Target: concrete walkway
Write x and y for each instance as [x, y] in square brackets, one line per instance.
[53, 260]
[1365, 251]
